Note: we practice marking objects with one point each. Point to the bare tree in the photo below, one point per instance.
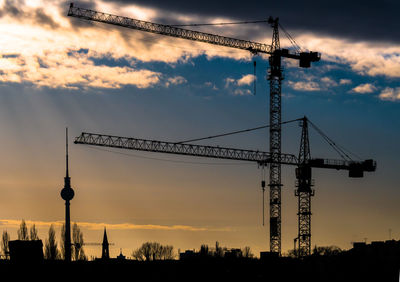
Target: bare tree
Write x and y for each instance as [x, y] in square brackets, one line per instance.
[33, 233]
[23, 231]
[138, 254]
[62, 242]
[204, 250]
[78, 252]
[51, 250]
[153, 251]
[326, 251]
[219, 252]
[4, 244]
[292, 253]
[147, 250]
[167, 252]
[247, 252]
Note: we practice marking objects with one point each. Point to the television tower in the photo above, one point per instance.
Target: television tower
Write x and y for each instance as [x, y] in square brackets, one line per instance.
[67, 193]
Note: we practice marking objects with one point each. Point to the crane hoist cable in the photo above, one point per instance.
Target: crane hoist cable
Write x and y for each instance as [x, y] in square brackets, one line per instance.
[263, 173]
[234, 132]
[255, 78]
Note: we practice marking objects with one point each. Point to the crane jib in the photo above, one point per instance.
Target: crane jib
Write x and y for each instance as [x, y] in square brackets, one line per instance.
[260, 157]
[305, 58]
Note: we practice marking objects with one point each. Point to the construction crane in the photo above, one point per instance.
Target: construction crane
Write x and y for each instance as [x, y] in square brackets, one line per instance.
[275, 77]
[304, 163]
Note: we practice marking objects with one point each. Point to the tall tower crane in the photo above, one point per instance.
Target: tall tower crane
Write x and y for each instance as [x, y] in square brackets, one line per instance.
[304, 163]
[275, 78]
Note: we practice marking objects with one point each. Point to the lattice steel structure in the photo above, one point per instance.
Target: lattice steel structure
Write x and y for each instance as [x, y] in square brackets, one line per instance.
[304, 164]
[216, 152]
[304, 193]
[275, 77]
[181, 148]
[275, 81]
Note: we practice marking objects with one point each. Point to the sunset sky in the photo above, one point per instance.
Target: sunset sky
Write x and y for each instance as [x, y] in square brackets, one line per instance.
[58, 72]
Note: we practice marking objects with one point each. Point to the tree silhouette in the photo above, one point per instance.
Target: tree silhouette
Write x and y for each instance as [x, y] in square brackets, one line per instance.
[292, 253]
[78, 252]
[51, 250]
[219, 251]
[62, 242]
[4, 244]
[326, 251]
[204, 250]
[246, 252]
[23, 231]
[153, 251]
[33, 233]
[167, 252]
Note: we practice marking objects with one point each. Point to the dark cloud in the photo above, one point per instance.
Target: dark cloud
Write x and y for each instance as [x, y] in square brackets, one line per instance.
[353, 20]
[13, 8]
[43, 19]
[16, 10]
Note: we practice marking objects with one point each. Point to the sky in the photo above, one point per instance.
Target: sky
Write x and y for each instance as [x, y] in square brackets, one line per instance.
[58, 72]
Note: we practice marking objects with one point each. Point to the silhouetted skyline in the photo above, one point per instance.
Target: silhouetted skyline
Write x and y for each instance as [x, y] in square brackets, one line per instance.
[59, 72]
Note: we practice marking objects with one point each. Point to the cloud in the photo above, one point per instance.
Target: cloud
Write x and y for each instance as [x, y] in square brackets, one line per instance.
[345, 81]
[176, 80]
[242, 92]
[43, 38]
[11, 223]
[229, 81]
[75, 70]
[304, 85]
[328, 82]
[211, 85]
[365, 58]
[46, 46]
[364, 88]
[246, 80]
[20, 11]
[234, 85]
[327, 18]
[390, 94]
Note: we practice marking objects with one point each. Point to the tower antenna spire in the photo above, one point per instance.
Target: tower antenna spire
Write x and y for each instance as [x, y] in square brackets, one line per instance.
[67, 194]
[66, 151]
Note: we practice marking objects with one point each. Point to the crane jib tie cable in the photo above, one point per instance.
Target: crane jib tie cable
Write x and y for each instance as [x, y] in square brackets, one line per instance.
[234, 132]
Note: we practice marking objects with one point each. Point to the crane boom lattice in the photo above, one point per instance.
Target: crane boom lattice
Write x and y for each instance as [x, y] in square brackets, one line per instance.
[169, 30]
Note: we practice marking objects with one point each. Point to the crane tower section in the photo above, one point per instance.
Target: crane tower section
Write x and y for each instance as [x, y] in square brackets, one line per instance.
[304, 192]
[275, 81]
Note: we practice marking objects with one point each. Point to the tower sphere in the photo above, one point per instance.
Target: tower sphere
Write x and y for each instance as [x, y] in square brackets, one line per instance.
[67, 194]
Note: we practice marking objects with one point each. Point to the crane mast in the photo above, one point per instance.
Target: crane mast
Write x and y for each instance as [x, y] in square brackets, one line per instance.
[275, 78]
[275, 81]
[304, 192]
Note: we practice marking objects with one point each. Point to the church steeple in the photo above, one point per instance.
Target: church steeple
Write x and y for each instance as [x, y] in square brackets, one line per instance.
[105, 254]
